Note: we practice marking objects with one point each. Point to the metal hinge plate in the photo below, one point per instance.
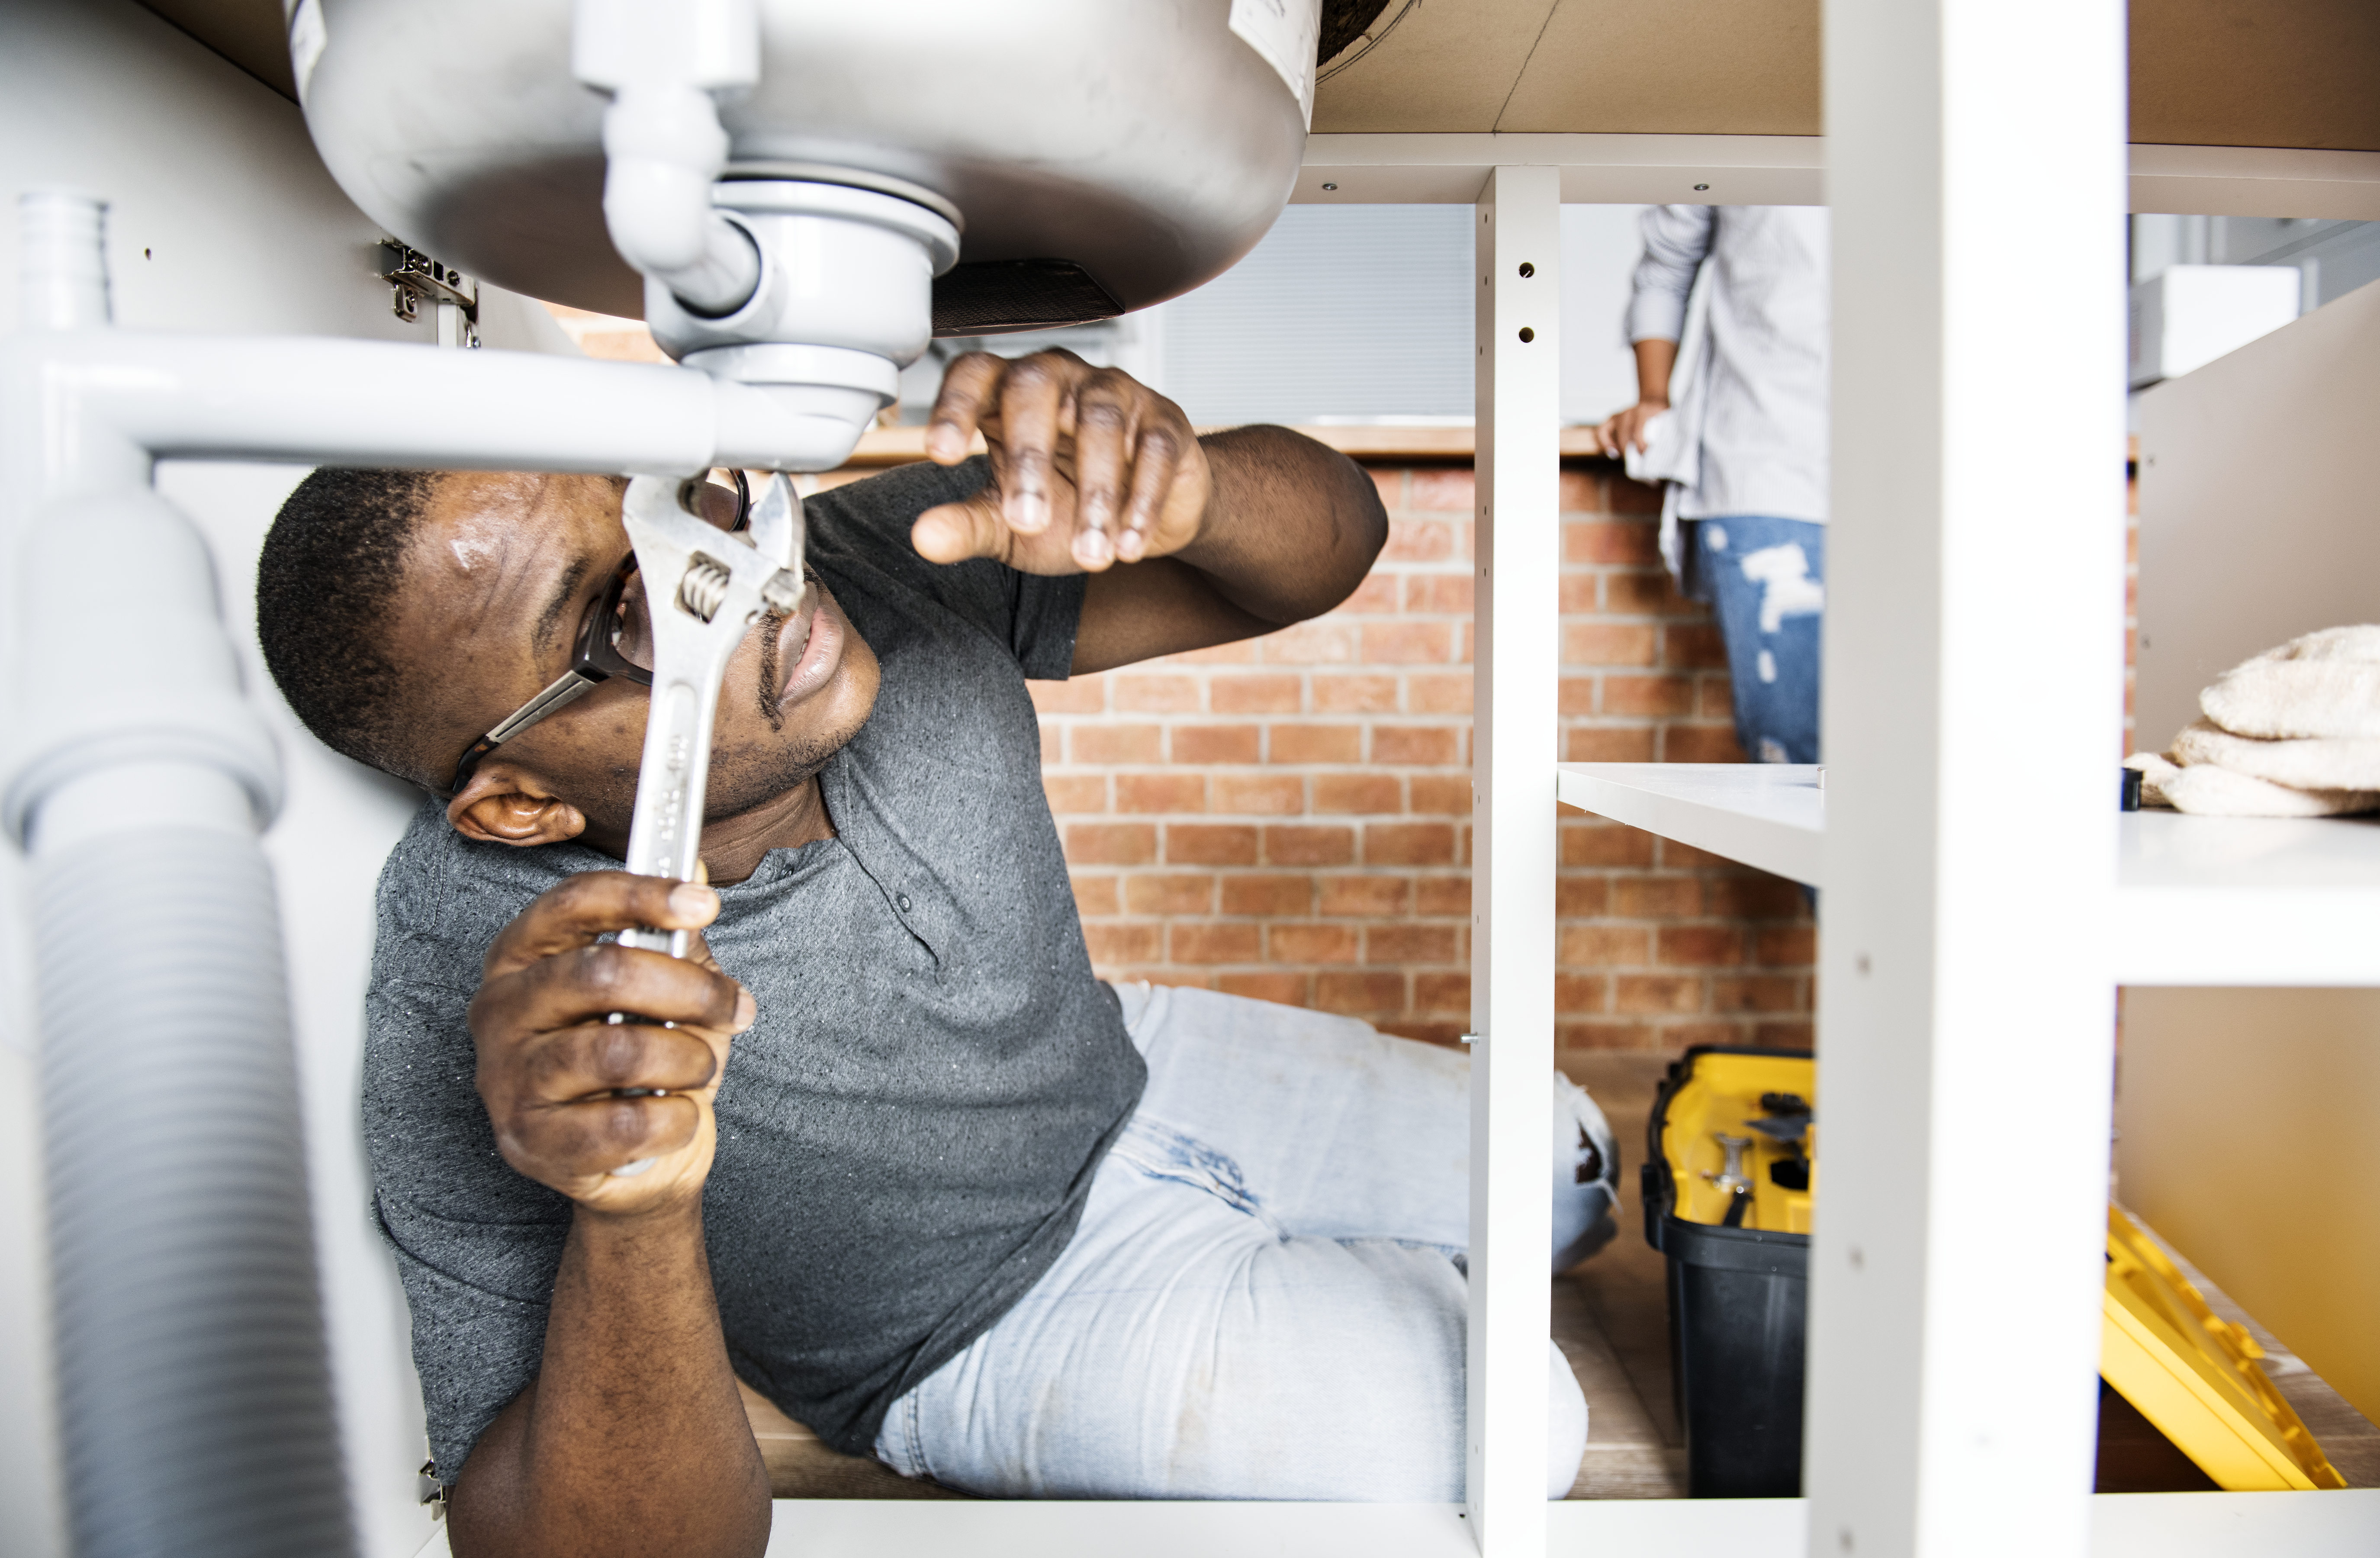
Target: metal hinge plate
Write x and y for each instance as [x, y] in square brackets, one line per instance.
[416, 280]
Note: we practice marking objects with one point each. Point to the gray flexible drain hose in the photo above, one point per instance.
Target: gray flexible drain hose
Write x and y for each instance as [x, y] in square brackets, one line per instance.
[193, 1377]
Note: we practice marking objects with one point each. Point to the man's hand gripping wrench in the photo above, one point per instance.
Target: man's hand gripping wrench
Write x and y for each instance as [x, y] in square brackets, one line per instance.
[704, 588]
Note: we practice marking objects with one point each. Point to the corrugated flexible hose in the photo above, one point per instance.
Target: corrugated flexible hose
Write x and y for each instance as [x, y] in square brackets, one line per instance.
[192, 1373]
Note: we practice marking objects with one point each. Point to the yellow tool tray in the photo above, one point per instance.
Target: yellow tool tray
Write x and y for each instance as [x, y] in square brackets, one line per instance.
[2189, 1371]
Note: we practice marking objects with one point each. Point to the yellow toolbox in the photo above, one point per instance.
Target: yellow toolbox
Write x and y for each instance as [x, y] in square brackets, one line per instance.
[1729, 1184]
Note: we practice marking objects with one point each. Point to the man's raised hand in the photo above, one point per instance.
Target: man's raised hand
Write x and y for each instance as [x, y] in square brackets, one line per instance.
[1089, 466]
[573, 1097]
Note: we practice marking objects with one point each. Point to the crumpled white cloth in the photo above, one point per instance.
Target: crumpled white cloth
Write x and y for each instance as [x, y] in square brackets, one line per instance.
[2325, 686]
[2294, 732]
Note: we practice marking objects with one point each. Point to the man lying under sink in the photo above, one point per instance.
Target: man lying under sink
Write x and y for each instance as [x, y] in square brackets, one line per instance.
[905, 1164]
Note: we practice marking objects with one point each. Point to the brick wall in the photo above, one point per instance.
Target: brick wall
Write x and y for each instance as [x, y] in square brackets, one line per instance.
[1289, 818]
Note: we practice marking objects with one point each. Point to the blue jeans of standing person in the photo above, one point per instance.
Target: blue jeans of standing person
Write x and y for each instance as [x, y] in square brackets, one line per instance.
[1766, 580]
[1265, 1299]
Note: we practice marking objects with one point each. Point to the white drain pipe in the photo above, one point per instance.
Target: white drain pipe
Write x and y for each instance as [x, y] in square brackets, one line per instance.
[193, 1386]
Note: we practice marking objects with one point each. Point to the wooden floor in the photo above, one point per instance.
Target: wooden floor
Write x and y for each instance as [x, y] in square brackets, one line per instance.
[1610, 1318]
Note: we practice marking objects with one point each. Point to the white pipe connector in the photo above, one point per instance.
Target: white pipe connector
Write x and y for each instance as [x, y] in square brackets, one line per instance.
[667, 69]
[62, 264]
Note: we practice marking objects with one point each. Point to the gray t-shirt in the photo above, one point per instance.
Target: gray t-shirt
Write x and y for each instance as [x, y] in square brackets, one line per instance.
[907, 1134]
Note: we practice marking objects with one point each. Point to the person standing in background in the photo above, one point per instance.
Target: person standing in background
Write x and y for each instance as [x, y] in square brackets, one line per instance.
[1743, 448]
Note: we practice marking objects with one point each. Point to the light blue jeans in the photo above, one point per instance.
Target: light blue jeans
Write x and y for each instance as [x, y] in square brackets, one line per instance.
[1265, 1299]
[1766, 580]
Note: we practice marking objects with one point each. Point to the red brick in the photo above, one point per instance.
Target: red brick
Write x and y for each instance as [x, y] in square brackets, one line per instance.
[1443, 992]
[1216, 743]
[1757, 993]
[1607, 643]
[1604, 844]
[1448, 694]
[1594, 744]
[1442, 894]
[1703, 946]
[1255, 695]
[1785, 1035]
[1581, 491]
[1407, 643]
[1377, 593]
[1649, 592]
[1686, 856]
[1753, 897]
[1210, 844]
[1693, 646]
[1285, 845]
[1441, 592]
[1360, 993]
[1409, 944]
[1166, 893]
[1777, 945]
[1647, 695]
[1370, 894]
[1311, 943]
[1095, 892]
[1391, 485]
[1240, 652]
[1110, 843]
[1656, 993]
[1223, 942]
[1355, 695]
[1633, 497]
[1160, 792]
[1607, 1036]
[1700, 743]
[1282, 990]
[1316, 743]
[1320, 642]
[1408, 844]
[1574, 696]
[1433, 745]
[1346, 793]
[1118, 743]
[1165, 695]
[1418, 540]
[1608, 542]
[1577, 993]
[1446, 488]
[1263, 795]
[1083, 695]
[1267, 895]
[1052, 743]
[1657, 897]
[1438, 795]
[1112, 943]
[1581, 897]
[1678, 1035]
[1716, 700]
[1075, 792]
[1601, 946]
[1578, 595]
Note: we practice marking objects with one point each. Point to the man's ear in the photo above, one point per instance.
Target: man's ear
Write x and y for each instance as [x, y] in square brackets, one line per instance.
[505, 803]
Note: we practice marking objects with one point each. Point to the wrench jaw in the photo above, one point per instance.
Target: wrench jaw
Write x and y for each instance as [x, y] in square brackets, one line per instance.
[705, 589]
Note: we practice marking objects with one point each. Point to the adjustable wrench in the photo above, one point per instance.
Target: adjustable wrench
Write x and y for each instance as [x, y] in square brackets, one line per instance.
[704, 588]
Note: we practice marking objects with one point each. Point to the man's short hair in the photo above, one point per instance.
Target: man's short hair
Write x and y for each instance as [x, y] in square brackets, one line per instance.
[326, 593]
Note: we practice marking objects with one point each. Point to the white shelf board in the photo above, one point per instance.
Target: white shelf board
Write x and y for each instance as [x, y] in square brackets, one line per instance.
[1772, 816]
[2340, 1523]
[2247, 900]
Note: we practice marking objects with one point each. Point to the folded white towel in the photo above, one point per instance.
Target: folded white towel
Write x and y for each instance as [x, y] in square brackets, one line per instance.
[2325, 683]
[2306, 764]
[2210, 791]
